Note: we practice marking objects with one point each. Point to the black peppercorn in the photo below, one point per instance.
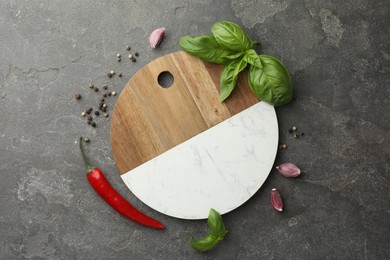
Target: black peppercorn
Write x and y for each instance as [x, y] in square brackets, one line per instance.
[89, 110]
[136, 54]
[96, 113]
[105, 87]
[133, 59]
[93, 124]
[128, 48]
[109, 75]
[120, 75]
[95, 89]
[290, 130]
[77, 96]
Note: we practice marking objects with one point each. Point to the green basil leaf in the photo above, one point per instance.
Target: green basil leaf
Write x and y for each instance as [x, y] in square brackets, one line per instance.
[236, 55]
[272, 82]
[253, 58]
[206, 48]
[229, 77]
[216, 224]
[231, 36]
[204, 244]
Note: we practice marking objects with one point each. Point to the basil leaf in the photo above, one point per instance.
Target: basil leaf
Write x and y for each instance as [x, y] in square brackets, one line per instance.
[253, 58]
[272, 82]
[218, 232]
[216, 224]
[206, 48]
[229, 77]
[204, 244]
[236, 55]
[231, 36]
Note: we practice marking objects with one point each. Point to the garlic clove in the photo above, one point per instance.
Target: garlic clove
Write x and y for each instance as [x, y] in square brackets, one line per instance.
[156, 37]
[289, 170]
[276, 200]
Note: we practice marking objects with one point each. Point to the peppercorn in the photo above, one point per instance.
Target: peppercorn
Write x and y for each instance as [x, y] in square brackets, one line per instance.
[136, 54]
[128, 47]
[101, 99]
[91, 85]
[290, 130]
[89, 118]
[120, 75]
[118, 55]
[284, 146]
[104, 109]
[109, 75]
[96, 113]
[106, 115]
[93, 124]
[95, 89]
[130, 56]
[112, 73]
[294, 128]
[302, 133]
[296, 135]
[133, 59]
[105, 87]
[83, 114]
[108, 93]
[113, 93]
[86, 140]
[89, 122]
[105, 95]
[89, 110]
[77, 96]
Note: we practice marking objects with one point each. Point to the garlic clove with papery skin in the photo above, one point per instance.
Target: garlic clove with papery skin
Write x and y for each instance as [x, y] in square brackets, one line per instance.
[276, 200]
[156, 37]
[289, 170]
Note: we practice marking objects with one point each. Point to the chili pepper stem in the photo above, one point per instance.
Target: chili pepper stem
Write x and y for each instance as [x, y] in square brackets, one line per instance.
[87, 165]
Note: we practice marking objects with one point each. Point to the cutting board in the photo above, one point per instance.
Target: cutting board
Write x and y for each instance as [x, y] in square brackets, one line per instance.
[180, 150]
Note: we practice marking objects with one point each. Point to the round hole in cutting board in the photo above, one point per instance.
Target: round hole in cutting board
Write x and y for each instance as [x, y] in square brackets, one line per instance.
[165, 79]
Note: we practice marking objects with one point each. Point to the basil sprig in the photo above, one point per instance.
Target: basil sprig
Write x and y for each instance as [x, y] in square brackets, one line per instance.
[217, 233]
[230, 46]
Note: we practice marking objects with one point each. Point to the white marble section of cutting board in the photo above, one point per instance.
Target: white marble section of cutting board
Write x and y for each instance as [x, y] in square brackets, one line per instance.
[220, 168]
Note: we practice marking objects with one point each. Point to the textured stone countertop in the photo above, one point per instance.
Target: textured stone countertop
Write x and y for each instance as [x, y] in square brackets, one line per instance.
[338, 53]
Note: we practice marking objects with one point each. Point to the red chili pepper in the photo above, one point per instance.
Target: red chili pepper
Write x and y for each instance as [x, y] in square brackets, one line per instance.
[102, 187]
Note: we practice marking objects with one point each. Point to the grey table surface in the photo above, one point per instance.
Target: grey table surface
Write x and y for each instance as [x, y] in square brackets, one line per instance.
[338, 53]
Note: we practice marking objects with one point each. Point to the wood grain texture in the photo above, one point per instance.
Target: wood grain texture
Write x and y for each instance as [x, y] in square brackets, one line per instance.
[149, 119]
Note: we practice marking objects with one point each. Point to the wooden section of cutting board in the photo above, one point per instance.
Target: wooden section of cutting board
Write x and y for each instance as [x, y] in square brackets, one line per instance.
[149, 119]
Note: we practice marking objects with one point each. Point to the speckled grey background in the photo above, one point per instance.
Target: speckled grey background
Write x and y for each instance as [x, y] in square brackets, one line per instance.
[338, 53]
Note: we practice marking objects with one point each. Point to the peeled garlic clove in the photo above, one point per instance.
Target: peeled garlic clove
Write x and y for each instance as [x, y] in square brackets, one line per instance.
[288, 170]
[156, 37]
[276, 200]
